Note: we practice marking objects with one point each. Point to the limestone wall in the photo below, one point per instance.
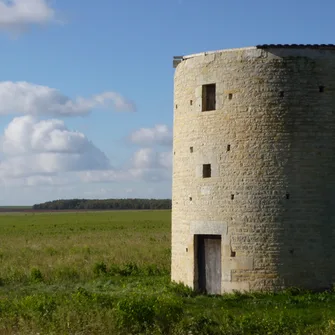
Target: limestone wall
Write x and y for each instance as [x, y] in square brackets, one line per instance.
[270, 142]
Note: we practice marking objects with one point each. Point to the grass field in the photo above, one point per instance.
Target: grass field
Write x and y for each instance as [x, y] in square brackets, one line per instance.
[108, 273]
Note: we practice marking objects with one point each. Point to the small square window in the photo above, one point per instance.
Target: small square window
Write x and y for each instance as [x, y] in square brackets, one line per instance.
[208, 97]
[230, 96]
[281, 94]
[321, 89]
[206, 171]
[191, 149]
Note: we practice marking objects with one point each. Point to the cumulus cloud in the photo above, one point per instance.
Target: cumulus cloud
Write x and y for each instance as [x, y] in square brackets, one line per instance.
[18, 15]
[159, 134]
[150, 165]
[34, 147]
[31, 99]
[28, 135]
[45, 153]
[146, 164]
[148, 158]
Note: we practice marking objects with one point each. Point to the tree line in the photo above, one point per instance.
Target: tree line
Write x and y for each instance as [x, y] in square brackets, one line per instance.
[88, 204]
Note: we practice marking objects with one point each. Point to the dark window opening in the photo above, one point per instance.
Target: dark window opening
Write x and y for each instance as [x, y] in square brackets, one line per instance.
[287, 196]
[208, 97]
[232, 197]
[186, 249]
[321, 89]
[190, 198]
[228, 147]
[281, 94]
[230, 96]
[191, 149]
[206, 171]
[176, 106]
[232, 253]
[191, 102]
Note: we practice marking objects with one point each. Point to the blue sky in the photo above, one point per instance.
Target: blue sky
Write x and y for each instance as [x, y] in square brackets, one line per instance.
[126, 47]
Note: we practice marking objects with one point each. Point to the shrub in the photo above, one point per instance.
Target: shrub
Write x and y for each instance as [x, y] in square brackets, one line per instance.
[67, 273]
[168, 311]
[181, 290]
[132, 269]
[142, 313]
[36, 275]
[204, 325]
[39, 308]
[129, 269]
[100, 269]
[152, 270]
[136, 313]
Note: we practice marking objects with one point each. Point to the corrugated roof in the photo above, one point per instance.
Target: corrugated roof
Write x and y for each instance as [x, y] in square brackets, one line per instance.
[178, 59]
[296, 46]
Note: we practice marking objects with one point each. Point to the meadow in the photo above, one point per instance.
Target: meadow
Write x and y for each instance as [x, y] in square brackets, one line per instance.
[109, 273]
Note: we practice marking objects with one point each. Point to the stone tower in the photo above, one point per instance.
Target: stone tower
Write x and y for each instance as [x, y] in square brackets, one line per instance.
[253, 199]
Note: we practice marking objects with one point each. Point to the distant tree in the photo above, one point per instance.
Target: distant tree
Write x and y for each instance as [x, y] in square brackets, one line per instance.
[116, 204]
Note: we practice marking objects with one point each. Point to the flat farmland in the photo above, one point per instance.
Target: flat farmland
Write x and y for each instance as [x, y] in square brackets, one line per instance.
[73, 241]
[108, 272]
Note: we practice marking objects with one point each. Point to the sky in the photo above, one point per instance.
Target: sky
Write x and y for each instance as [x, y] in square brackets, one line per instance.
[86, 87]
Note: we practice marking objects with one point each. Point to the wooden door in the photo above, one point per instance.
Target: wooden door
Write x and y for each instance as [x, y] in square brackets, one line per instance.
[209, 263]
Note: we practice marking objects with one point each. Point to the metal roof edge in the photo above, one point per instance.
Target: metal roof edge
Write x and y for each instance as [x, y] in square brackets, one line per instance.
[178, 59]
[217, 51]
[296, 46]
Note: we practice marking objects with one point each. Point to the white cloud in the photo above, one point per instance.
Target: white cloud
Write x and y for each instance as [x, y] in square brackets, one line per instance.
[44, 155]
[159, 134]
[147, 158]
[150, 165]
[31, 99]
[146, 164]
[27, 135]
[18, 15]
[45, 181]
[33, 147]
[47, 152]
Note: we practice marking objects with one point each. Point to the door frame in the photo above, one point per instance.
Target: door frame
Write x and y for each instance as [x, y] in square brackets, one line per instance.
[196, 243]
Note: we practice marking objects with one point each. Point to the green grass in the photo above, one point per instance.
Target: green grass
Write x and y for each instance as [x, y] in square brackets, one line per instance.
[108, 273]
[69, 244]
